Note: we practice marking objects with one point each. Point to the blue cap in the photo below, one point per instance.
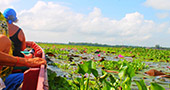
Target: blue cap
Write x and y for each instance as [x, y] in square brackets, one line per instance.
[10, 15]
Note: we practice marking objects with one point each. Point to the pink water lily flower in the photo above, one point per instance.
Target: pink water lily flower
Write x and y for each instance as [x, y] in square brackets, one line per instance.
[98, 55]
[85, 51]
[120, 56]
[62, 49]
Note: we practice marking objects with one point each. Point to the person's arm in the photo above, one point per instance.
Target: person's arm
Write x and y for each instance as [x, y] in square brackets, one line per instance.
[8, 60]
[21, 37]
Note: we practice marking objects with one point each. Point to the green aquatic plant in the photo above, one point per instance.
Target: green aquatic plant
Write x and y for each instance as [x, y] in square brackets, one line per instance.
[105, 80]
[153, 86]
[125, 75]
[141, 85]
[87, 67]
[58, 83]
[115, 65]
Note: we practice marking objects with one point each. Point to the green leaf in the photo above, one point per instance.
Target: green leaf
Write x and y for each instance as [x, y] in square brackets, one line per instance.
[82, 86]
[127, 87]
[81, 69]
[95, 72]
[112, 79]
[123, 72]
[94, 88]
[141, 84]
[88, 66]
[87, 83]
[107, 86]
[93, 65]
[112, 88]
[103, 72]
[155, 86]
[78, 79]
[130, 71]
[103, 77]
[127, 81]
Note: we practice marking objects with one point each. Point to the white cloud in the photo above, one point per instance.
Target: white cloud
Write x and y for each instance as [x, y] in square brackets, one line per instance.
[6, 4]
[158, 4]
[169, 30]
[53, 22]
[162, 15]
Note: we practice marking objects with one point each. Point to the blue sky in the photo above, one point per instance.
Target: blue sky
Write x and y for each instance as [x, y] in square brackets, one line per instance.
[114, 22]
[114, 9]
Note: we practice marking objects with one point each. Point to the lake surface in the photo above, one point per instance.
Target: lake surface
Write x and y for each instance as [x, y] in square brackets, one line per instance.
[160, 66]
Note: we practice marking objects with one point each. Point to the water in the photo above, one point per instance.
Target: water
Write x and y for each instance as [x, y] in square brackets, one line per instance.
[160, 66]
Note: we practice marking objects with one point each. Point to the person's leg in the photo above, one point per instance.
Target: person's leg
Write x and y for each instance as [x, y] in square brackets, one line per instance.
[13, 81]
[5, 44]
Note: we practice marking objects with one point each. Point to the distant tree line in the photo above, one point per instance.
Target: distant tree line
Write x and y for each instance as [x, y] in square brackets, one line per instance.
[159, 47]
[97, 44]
[106, 45]
[89, 44]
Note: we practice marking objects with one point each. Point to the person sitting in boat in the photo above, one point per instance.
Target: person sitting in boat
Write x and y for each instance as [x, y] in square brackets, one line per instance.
[7, 61]
[16, 34]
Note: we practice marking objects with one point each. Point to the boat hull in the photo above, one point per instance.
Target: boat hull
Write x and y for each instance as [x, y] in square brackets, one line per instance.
[35, 78]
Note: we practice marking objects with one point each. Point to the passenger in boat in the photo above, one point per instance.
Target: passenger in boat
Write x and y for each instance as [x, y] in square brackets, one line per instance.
[16, 34]
[13, 81]
[9, 60]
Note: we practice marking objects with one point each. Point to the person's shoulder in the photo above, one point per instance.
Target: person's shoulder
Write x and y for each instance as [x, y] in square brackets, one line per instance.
[16, 26]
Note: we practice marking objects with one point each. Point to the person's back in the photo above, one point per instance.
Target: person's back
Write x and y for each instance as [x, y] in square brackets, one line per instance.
[17, 37]
[16, 34]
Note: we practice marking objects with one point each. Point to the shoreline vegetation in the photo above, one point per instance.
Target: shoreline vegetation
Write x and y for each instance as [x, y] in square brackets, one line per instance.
[106, 45]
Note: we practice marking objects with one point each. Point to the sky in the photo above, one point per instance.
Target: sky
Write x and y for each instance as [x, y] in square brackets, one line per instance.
[113, 22]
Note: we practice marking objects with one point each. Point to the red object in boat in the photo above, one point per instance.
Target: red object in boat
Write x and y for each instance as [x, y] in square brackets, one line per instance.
[38, 50]
[35, 78]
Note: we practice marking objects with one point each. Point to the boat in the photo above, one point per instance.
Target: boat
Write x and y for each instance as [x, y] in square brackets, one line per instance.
[35, 78]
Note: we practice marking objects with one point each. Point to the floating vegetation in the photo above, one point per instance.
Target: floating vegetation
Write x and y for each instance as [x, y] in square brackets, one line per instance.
[106, 68]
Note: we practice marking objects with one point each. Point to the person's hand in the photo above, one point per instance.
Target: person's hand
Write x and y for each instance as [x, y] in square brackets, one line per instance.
[35, 62]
